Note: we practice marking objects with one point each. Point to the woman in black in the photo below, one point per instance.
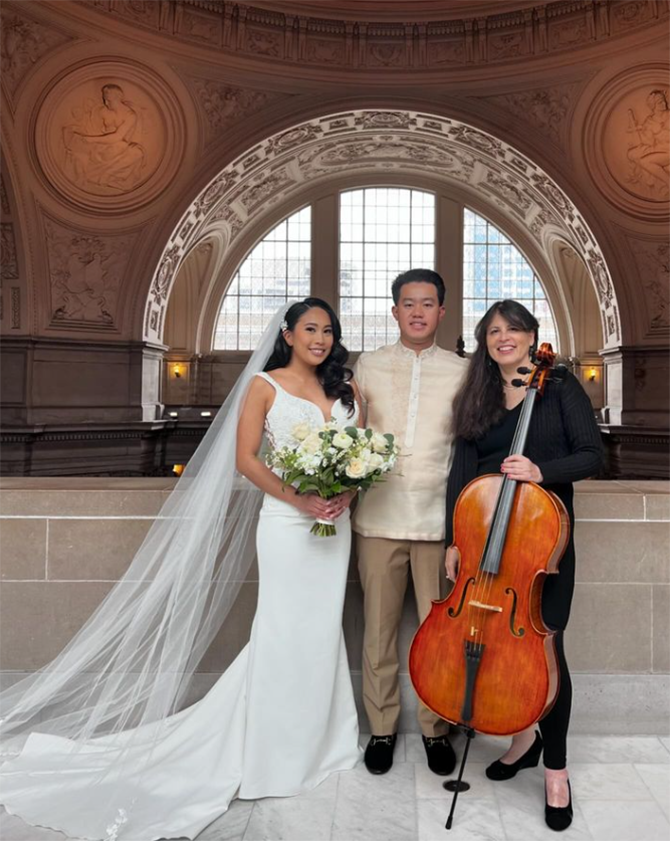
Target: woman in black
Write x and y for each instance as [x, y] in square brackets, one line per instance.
[563, 446]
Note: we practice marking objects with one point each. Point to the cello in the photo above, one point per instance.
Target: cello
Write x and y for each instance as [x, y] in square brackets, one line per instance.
[483, 658]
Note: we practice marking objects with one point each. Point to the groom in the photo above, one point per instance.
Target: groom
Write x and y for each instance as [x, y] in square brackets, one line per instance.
[408, 388]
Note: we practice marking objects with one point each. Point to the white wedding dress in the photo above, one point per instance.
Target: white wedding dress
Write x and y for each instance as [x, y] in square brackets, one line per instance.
[277, 722]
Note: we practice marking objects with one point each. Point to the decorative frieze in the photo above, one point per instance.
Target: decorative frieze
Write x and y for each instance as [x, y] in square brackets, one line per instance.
[505, 36]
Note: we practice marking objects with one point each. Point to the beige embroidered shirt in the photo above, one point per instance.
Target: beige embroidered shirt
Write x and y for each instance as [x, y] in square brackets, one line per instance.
[410, 395]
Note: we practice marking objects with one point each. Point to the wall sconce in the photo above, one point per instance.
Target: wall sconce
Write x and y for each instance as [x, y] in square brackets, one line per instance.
[177, 371]
[592, 375]
[177, 469]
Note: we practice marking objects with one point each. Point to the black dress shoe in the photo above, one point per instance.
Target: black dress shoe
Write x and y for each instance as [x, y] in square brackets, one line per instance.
[379, 753]
[440, 754]
[558, 818]
[502, 771]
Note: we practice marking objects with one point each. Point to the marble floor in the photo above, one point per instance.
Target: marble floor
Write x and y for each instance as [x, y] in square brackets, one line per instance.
[621, 788]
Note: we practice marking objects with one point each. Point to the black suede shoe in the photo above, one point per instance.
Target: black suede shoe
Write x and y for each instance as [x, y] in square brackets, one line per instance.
[558, 818]
[379, 754]
[502, 771]
[441, 756]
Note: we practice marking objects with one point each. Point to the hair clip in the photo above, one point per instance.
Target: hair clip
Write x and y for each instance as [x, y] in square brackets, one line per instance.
[283, 326]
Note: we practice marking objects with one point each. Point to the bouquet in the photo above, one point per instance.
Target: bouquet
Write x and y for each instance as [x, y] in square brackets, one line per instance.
[330, 460]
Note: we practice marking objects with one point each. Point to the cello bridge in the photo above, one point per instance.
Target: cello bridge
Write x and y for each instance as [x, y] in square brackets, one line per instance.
[483, 606]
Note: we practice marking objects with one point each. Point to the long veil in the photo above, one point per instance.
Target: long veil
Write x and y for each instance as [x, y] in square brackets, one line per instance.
[132, 663]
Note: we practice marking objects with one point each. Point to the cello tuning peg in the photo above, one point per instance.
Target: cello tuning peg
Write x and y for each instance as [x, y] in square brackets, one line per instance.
[523, 370]
[518, 383]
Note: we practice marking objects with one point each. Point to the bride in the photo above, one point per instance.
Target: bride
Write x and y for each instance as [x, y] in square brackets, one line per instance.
[100, 745]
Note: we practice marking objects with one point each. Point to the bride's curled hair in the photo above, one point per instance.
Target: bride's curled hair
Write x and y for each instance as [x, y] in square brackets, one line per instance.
[332, 373]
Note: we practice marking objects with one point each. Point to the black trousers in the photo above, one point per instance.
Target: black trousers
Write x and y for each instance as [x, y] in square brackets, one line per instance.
[554, 726]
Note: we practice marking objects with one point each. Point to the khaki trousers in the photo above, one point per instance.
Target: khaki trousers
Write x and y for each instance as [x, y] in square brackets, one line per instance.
[384, 566]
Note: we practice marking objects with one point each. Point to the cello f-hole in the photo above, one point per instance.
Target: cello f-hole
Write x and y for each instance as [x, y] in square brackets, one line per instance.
[512, 615]
[454, 613]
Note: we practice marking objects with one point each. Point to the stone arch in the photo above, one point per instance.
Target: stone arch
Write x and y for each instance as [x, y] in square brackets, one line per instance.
[471, 161]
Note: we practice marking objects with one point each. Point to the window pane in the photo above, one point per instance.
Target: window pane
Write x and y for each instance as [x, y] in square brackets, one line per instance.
[383, 231]
[494, 268]
[276, 269]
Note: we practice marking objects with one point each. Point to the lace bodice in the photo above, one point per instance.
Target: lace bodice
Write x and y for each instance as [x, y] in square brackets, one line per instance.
[288, 410]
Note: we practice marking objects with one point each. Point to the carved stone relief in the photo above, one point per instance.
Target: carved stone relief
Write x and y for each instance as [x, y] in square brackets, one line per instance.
[85, 271]
[143, 11]
[653, 260]
[629, 142]
[4, 201]
[544, 108]
[109, 135]
[9, 264]
[624, 15]
[223, 104]
[384, 141]
[24, 42]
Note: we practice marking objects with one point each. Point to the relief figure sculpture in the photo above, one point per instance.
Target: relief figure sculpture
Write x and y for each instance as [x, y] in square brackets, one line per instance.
[101, 150]
[649, 147]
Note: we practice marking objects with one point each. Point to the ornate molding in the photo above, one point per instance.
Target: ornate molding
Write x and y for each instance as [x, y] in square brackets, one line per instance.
[503, 35]
[365, 141]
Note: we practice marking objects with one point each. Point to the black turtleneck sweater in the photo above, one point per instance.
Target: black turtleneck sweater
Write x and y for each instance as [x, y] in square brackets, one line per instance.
[564, 442]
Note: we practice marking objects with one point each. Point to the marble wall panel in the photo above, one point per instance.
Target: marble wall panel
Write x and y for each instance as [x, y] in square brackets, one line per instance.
[660, 629]
[618, 552]
[93, 550]
[40, 617]
[23, 549]
[610, 629]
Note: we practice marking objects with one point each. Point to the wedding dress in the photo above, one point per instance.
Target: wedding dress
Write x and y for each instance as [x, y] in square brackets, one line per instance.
[277, 722]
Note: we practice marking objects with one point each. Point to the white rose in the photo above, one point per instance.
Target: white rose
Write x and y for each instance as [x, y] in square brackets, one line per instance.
[379, 443]
[375, 462]
[365, 454]
[311, 444]
[356, 469]
[342, 441]
[301, 431]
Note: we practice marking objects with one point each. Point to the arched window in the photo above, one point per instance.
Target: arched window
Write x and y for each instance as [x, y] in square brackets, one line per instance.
[494, 268]
[383, 231]
[276, 269]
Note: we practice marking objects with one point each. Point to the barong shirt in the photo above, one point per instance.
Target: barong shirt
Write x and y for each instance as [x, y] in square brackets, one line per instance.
[411, 396]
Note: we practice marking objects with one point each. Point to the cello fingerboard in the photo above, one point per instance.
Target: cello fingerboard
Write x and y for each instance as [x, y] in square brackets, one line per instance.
[495, 542]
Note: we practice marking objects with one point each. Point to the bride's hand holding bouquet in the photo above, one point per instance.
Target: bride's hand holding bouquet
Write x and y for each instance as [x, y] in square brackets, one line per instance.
[329, 464]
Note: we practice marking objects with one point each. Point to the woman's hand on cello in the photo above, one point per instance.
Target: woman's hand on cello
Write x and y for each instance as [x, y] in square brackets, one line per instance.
[521, 469]
[451, 562]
